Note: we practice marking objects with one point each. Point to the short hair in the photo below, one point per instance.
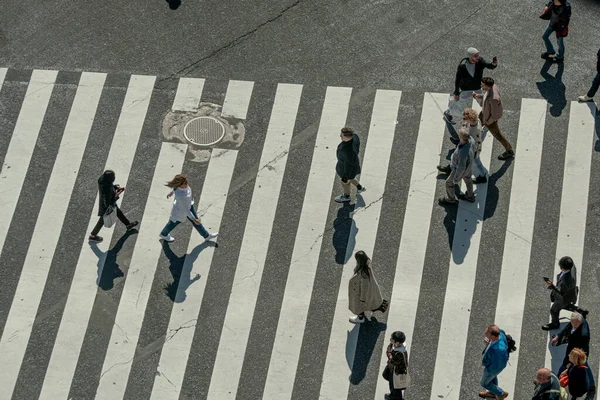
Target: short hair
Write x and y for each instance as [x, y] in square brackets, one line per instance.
[579, 356]
[472, 114]
[463, 134]
[487, 81]
[348, 132]
[399, 337]
[494, 330]
[566, 263]
[577, 316]
[545, 373]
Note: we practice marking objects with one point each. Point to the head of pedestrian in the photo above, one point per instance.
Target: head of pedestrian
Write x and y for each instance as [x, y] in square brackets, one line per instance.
[473, 55]
[577, 357]
[566, 264]
[179, 181]
[346, 134]
[108, 177]
[470, 116]
[576, 320]
[559, 2]
[543, 375]
[487, 83]
[492, 332]
[362, 263]
[463, 135]
[397, 338]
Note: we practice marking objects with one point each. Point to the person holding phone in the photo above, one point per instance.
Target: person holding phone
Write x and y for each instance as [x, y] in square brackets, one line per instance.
[563, 295]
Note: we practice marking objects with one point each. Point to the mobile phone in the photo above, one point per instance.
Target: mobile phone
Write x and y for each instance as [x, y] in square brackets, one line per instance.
[545, 279]
[495, 59]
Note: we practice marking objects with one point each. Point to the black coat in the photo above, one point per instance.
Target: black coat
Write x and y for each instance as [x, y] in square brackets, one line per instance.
[579, 383]
[598, 62]
[547, 391]
[464, 80]
[565, 289]
[107, 192]
[560, 16]
[348, 162]
[578, 339]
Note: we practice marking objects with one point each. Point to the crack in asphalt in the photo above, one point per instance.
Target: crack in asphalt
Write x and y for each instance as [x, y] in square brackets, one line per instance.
[182, 326]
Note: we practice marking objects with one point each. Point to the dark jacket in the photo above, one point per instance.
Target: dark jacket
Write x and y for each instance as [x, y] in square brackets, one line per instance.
[598, 62]
[547, 391]
[397, 362]
[565, 289]
[578, 339]
[464, 80]
[496, 357]
[560, 16]
[107, 192]
[348, 162]
[578, 381]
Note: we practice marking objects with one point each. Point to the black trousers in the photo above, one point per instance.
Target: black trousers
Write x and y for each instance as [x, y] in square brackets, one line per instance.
[559, 305]
[395, 394]
[100, 222]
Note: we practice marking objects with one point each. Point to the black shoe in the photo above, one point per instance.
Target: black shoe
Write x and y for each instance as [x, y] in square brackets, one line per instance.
[454, 140]
[464, 197]
[96, 238]
[546, 55]
[480, 179]
[558, 59]
[445, 169]
[448, 118]
[583, 312]
[506, 155]
[442, 201]
[132, 225]
[551, 326]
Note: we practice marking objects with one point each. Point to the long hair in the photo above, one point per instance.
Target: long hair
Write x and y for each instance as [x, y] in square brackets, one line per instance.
[177, 181]
[107, 178]
[362, 263]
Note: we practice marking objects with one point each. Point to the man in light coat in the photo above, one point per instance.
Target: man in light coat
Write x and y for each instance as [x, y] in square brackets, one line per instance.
[461, 165]
[495, 358]
[491, 114]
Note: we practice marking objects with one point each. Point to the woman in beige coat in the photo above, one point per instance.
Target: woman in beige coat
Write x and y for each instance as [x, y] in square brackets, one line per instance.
[363, 291]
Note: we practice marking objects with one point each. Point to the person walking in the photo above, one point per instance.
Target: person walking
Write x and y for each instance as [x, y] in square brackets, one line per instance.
[461, 164]
[108, 194]
[559, 13]
[547, 386]
[183, 207]
[491, 114]
[563, 295]
[363, 290]
[348, 163]
[396, 370]
[577, 376]
[595, 83]
[468, 76]
[495, 358]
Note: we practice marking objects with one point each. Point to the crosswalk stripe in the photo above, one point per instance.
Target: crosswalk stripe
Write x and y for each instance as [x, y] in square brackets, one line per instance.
[459, 289]
[132, 307]
[305, 256]
[16, 331]
[340, 355]
[257, 235]
[415, 230]
[3, 72]
[184, 317]
[187, 96]
[519, 229]
[574, 199]
[82, 293]
[237, 99]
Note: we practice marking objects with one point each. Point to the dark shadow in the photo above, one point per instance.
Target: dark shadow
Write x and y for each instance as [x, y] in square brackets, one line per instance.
[450, 218]
[597, 121]
[553, 88]
[493, 194]
[367, 339]
[108, 269]
[174, 4]
[557, 353]
[180, 268]
[344, 230]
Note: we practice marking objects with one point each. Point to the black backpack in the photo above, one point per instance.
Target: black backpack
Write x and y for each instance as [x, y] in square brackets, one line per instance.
[512, 344]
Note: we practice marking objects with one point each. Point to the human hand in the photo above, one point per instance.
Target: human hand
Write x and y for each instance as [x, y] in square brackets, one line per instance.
[549, 282]
[456, 97]
[495, 60]
[345, 180]
[196, 221]
[169, 195]
[554, 340]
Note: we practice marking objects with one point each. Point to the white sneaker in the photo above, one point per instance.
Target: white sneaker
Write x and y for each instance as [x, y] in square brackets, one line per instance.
[585, 98]
[362, 189]
[167, 238]
[211, 236]
[356, 319]
[342, 199]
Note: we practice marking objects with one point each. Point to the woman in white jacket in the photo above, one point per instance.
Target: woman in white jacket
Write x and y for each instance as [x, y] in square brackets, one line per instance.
[183, 207]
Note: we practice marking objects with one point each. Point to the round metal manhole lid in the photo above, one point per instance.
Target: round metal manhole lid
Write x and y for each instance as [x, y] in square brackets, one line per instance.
[204, 131]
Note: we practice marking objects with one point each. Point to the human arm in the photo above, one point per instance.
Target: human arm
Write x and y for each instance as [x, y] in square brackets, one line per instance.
[457, 84]
[489, 65]
[364, 284]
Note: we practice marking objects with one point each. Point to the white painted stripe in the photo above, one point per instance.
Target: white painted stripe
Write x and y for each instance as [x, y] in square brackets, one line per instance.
[132, 306]
[574, 199]
[340, 352]
[415, 230]
[49, 222]
[307, 247]
[187, 97]
[237, 99]
[519, 229]
[3, 72]
[253, 252]
[83, 289]
[459, 291]
[22, 144]
[178, 341]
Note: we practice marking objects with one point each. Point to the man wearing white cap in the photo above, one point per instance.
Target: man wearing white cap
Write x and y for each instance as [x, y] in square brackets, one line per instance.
[468, 80]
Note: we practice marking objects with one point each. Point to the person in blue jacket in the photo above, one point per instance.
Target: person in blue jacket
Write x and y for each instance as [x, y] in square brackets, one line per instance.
[495, 358]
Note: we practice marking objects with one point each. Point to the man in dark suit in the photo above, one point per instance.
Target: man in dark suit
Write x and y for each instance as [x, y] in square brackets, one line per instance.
[564, 294]
[348, 163]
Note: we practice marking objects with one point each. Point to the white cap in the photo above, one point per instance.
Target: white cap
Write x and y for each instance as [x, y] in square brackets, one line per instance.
[471, 51]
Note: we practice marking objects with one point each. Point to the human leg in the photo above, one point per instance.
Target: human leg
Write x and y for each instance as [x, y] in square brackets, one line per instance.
[98, 226]
[450, 195]
[169, 227]
[490, 383]
[595, 86]
[469, 184]
[497, 133]
[546, 39]
[122, 217]
[561, 48]
[199, 227]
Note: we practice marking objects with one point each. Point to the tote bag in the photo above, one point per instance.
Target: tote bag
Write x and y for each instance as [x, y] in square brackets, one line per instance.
[110, 216]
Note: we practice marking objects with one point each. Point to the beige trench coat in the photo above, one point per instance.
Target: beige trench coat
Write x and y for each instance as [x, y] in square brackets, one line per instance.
[363, 288]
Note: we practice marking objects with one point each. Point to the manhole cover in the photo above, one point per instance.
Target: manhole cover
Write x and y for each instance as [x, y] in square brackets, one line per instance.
[204, 131]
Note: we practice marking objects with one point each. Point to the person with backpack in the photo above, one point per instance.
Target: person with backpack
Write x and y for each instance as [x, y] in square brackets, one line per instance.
[547, 386]
[396, 370]
[495, 358]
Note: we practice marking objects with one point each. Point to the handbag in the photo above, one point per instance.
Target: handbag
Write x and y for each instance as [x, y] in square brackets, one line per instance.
[546, 14]
[564, 380]
[110, 216]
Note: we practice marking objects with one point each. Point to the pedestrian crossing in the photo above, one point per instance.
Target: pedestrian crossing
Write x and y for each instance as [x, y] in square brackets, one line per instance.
[265, 313]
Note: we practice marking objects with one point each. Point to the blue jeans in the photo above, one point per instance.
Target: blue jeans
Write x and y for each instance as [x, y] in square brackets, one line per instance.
[548, 43]
[595, 86]
[172, 224]
[489, 382]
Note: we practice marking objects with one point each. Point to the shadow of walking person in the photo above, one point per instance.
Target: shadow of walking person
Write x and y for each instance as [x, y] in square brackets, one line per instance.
[493, 194]
[174, 4]
[344, 230]
[108, 269]
[367, 339]
[553, 88]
